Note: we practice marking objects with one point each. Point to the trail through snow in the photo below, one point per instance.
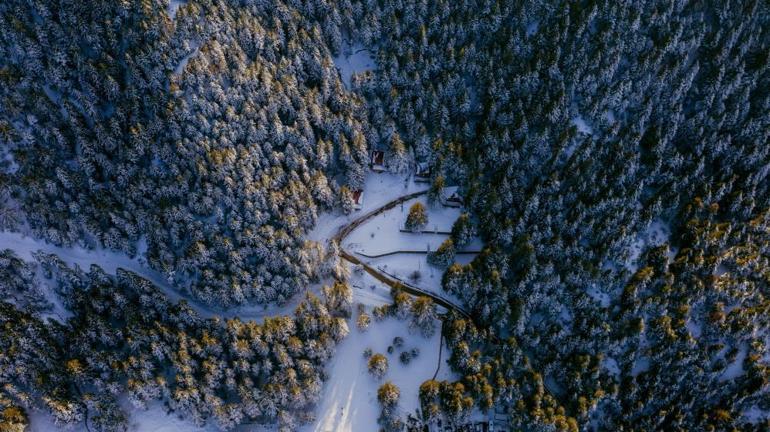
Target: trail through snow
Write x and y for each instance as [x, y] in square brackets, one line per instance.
[110, 261]
[348, 400]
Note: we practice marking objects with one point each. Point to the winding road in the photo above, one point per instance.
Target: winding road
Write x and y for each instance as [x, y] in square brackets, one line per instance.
[110, 261]
[383, 277]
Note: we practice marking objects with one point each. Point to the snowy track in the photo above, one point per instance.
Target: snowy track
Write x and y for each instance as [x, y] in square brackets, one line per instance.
[381, 276]
[110, 261]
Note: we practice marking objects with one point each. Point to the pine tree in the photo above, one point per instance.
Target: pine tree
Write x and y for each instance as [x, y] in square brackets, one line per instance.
[417, 218]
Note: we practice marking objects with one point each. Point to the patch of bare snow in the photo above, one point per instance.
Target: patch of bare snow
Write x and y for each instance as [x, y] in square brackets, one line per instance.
[379, 189]
[183, 62]
[367, 290]
[656, 234]
[7, 162]
[353, 59]
[173, 7]
[693, 327]
[381, 235]
[755, 415]
[735, 369]
[582, 125]
[532, 27]
[641, 365]
[156, 419]
[349, 397]
[597, 294]
[611, 365]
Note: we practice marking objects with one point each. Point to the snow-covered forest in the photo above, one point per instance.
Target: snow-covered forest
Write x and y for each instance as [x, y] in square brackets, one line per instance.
[564, 207]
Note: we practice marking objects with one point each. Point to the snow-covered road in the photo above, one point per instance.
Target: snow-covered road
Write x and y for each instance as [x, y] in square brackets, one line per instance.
[24, 246]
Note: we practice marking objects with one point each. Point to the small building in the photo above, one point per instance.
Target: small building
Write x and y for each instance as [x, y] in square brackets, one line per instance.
[422, 174]
[450, 197]
[358, 199]
[377, 161]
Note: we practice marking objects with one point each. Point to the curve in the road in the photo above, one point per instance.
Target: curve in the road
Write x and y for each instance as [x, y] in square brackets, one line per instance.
[345, 230]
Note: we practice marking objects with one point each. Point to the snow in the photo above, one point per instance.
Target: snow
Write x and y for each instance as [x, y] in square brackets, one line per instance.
[582, 125]
[173, 7]
[41, 421]
[755, 415]
[7, 162]
[656, 234]
[349, 398]
[110, 261]
[642, 364]
[381, 234]
[367, 290]
[156, 419]
[183, 63]
[694, 328]
[735, 369]
[353, 59]
[597, 294]
[532, 27]
[611, 365]
[379, 188]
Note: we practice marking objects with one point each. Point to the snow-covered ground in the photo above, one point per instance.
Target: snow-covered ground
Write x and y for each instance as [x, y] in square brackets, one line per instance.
[367, 290]
[597, 294]
[183, 62]
[349, 398]
[353, 59]
[379, 189]
[153, 419]
[655, 235]
[532, 28]
[735, 369]
[381, 234]
[582, 125]
[173, 7]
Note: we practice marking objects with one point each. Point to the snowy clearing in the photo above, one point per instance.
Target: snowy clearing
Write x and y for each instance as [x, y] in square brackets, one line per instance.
[656, 234]
[582, 125]
[595, 293]
[349, 398]
[379, 189]
[735, 369]
[183, 62]
[173, 7]
[382, 234]
[353, 59]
